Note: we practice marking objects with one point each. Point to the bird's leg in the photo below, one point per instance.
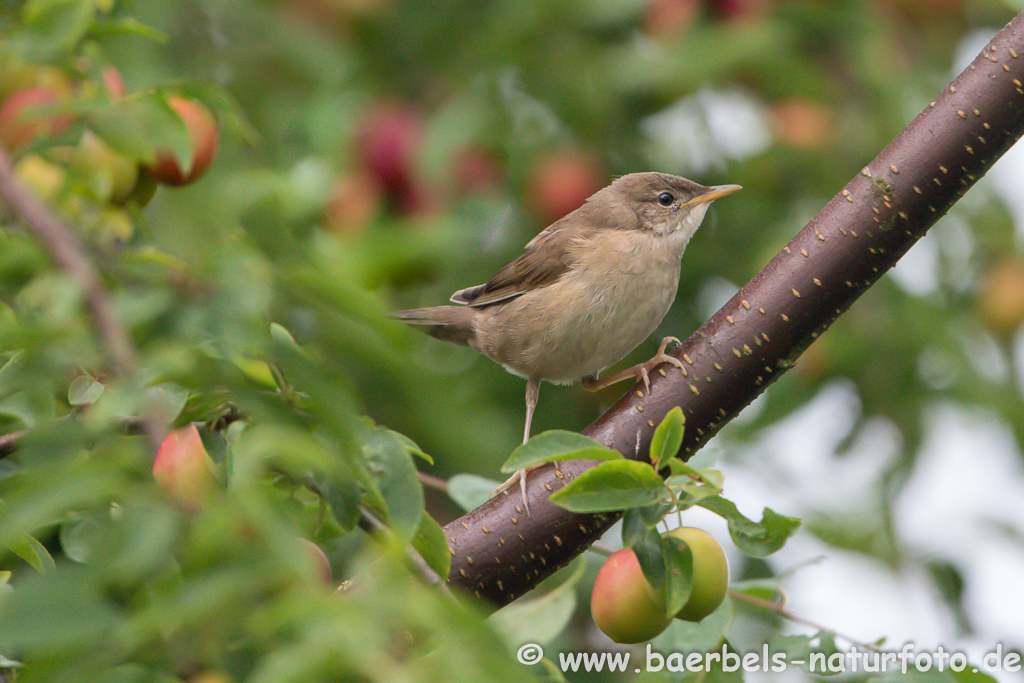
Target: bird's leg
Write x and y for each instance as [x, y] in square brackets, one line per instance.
[639, 371]
[532, 393]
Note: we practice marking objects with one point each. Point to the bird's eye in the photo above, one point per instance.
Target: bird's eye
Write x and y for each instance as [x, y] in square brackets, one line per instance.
[666, 199]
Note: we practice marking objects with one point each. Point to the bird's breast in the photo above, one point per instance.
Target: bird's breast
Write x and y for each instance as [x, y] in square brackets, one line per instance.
[614, 297]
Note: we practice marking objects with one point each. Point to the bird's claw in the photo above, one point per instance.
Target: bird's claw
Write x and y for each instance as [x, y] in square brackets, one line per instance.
[643, 369]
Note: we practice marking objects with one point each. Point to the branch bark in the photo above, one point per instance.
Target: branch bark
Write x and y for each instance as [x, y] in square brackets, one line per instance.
[499, 552]
[68, 252]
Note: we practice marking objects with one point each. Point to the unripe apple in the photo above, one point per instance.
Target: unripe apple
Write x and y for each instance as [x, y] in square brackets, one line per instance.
[320, 561]
[623, 604]
[25, 116]
[202, 131]
[803, 124]
[1001, 299]
[710, 573]
[354, 202]
[44, 178]
[110, 175]
[183, 469]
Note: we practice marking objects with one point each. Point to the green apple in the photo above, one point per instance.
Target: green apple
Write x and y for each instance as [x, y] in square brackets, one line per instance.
[109, 174]
[623, 604]
[710, 573]
[319, 559]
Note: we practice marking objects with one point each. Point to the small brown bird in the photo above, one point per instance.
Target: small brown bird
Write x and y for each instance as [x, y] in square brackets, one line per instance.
[587, 290]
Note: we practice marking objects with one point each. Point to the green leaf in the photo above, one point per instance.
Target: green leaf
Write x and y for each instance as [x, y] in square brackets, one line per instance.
[33, 552]
[412, 447]
[557, 444]
[702, 636]
[84, 391]
[471, 491]
[140, 125]
[57, 610]
[650, 553]
[53, 27]
[753, 538]
[128, 26]
[668, 438]
[612, 485]
[432, 545]
[79, 535]
[678, 574]
[539, 619]
[633, 527]
[391, 464]
[805, 651]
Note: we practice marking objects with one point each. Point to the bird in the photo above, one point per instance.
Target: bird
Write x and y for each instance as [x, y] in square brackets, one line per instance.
[586, 291]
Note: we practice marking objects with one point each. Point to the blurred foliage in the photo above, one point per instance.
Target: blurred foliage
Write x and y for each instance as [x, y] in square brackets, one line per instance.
[380, 154]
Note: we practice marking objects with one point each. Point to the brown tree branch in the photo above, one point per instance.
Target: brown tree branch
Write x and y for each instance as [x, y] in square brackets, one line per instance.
[499, 552]
[68, 252]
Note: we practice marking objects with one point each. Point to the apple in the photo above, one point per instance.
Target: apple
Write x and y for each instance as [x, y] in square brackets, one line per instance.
[354, 202]
[803, 124]
[1001, 298]
[320, 561]
[44, 178]
[475, 169]
[562, 181]
[388, 146]
[113, 82]
[183, 469]
[623, 604]
[202, 130]
[710, 573]
[671, 18]
[27, 115]
[110, 175]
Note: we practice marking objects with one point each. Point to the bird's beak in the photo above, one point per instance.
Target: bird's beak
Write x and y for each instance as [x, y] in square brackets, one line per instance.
[713, 193]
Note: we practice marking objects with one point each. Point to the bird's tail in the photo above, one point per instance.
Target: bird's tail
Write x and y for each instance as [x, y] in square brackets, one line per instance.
[449, 323]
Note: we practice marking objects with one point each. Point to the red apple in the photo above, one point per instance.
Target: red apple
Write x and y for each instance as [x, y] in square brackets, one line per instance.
[182, 468]
[27, 115]
[113, 82]
[623, 604]
[710, 573]
[202, 130]
[475, 169]
[671, 18]
[388, 146]
[562, 181]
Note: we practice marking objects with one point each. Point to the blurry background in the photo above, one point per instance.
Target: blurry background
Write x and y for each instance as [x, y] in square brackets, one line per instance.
[427, 142]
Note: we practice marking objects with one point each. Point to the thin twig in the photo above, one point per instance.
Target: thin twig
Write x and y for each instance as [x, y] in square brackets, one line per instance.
[69, 254]
[777, 608]
[436, 483]
[380, 531]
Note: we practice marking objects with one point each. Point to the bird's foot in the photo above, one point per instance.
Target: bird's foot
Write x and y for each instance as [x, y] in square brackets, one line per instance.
[520, 476]
[642, 370]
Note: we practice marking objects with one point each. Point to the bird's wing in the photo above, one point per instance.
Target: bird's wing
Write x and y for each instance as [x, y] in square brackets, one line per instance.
[547, 257]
